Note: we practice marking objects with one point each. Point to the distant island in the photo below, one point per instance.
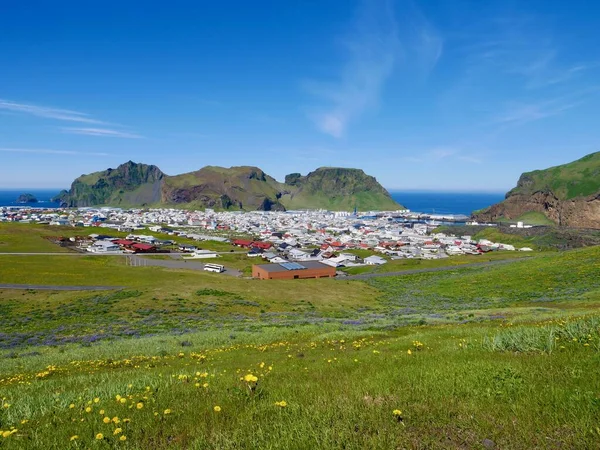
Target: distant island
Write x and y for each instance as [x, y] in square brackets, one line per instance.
[566, 195]
[27, 198]
[241, 188]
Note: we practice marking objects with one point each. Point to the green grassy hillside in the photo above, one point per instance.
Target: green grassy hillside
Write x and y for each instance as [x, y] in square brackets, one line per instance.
[497, 357]
[337, 189]
[234, 188]
[578, 178]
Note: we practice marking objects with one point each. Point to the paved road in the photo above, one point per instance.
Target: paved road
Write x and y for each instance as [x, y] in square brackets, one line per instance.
[366, 276]
[41, 287]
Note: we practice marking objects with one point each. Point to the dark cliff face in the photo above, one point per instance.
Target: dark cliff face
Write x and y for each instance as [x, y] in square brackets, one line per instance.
[568, 195]
[112, 185]
[237, 188]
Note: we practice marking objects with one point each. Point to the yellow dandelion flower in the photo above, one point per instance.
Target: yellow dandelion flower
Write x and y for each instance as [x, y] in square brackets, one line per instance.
[106, 420]
[123, 400]
[117, 431]
[123, 438]
[205, 385]
[88, 409]
[281, 404]
[250, 378]
[126, 420]
[118, 397]
[140, 405]
[71, 406]
[5, 434]
[197, 385]
[74, 437]
[96, 400]
[409, 352]
[217, 408]
[167, 411]
[101, 412]
[99, 436]
[116, 420]
[397, 412]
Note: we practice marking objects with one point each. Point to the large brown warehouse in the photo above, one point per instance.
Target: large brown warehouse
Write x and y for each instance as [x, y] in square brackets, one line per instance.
[292, 270]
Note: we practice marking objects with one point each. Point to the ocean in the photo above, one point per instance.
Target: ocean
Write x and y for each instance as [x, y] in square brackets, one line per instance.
[9, 197]
[446, 202]
[426, 202]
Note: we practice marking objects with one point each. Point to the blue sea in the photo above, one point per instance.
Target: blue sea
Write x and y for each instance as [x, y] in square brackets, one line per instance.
[446, 202]
[9, 197]
[426, 202]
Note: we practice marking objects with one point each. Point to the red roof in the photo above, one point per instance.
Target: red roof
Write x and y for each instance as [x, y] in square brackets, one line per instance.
[123, 242]
[142, 246]
[242, 242]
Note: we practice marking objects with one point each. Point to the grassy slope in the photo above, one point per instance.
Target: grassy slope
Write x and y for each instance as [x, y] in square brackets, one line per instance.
[534, 218]
[409, 264]
[452, 394]
[578, 178]
[337, 355]
[18, 237]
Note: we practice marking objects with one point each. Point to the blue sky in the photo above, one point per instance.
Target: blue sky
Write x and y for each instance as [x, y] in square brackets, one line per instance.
[434, 95]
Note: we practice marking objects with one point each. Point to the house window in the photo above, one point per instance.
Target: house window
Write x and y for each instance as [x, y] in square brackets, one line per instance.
[296, 277]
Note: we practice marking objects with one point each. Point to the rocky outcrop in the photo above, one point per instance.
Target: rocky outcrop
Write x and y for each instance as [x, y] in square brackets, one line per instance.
[582, 212]
[234, 188]
[26, 198]
[568, 195]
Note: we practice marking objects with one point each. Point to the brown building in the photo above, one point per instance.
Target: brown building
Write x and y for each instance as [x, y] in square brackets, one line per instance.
[292, 270]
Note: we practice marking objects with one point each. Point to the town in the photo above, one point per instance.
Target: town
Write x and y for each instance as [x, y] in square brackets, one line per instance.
[292, 244]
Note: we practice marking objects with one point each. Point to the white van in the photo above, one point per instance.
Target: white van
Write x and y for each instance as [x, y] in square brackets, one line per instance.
[214, 268]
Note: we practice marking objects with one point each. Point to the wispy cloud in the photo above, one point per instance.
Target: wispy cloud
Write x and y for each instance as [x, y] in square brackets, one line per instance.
[523, 47]
[51, 152]
[101, 132]
[47, 112]
[372, 49]
[518, 113]
[66, 115]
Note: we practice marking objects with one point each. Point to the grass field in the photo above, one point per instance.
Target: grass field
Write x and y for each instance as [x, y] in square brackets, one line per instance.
[496, 357]
[18, 237]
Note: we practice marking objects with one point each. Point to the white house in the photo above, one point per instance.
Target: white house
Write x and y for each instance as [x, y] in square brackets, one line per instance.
[203, 254]
[103, 247]
[375, 260]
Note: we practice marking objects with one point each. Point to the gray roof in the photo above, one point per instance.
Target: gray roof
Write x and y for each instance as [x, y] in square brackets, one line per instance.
[305, 264]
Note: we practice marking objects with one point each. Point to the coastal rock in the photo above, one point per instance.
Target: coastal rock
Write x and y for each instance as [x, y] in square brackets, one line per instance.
[27, 198]
[567, 195]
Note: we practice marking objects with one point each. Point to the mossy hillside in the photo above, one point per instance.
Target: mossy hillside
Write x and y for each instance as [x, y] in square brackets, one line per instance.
[234, 188]
[567, 181]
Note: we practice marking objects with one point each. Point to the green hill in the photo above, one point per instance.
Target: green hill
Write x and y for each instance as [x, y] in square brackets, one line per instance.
[336, 188]
[567, 195]
[234, 188]
[568, 181]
